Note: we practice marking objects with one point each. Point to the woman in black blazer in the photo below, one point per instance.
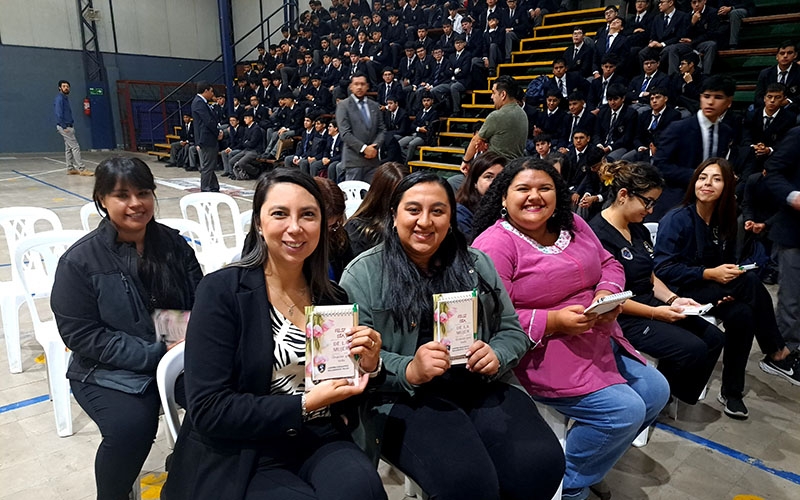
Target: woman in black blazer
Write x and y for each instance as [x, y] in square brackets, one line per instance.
[253, 430]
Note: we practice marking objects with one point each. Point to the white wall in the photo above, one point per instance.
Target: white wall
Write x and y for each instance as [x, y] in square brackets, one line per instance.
[169, 28]
[246, 16]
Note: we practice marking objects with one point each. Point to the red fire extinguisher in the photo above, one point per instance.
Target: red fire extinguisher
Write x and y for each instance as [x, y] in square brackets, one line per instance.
[87, 107]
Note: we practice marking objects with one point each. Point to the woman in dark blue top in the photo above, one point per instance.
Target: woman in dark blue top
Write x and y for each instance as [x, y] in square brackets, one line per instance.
[694, 254]
[687, 347]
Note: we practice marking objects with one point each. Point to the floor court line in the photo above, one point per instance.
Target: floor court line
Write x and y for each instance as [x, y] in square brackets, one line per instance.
[64, 163]
[51, 185]
[701, 441]
[31, 174]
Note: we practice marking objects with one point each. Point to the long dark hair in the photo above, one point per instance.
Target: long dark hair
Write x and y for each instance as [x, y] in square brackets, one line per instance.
[492, 202]
[725, 209]
[160, 266]
[410, 289]
[254, 251]
[334, 206]
[468, 194]
[371, 214]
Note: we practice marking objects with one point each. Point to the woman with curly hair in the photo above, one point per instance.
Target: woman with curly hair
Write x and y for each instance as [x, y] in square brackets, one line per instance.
[480, 176]
[554, 267]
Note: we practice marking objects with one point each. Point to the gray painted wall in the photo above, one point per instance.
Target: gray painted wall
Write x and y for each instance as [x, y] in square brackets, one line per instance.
[30, 76]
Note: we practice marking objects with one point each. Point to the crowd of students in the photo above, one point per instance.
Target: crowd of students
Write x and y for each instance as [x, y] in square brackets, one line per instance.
[571, 213]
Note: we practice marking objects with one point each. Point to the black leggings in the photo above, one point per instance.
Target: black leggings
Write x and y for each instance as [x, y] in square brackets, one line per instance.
[750, 314]
[489, 443]
[128, 424]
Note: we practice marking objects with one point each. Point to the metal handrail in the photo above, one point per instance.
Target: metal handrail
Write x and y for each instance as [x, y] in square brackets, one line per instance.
[290, 3]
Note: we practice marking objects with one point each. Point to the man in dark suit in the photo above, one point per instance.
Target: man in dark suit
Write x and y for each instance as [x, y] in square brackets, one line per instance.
[180, 152]
[616, 124]
[578, 118]
[614, 44]
[446, 42]
[651, 123]
[362, 131]
[610, 13]
[460, 76]
[783, 179]
[599, 86]
[684, 86]
[639, 25]
[763, 129]
[651, 77]
[668, 29]
[286, 123]
[579, 56]
[474, 38]
[552, 121]
[260, 112]
[207, 136]
[565, 83]
[252, 144]
[703, 34]
[686, 143]
[397, 126]
[234, 140]
[517, 26]
[580, 155]
[332, 155]
[422, 128]
[787, 72]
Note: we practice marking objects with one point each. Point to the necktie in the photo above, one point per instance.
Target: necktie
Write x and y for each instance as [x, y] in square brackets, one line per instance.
[333, 147]
[654, 123]
[638, 18]
[767, 122]
[562, 86]
[710, 151]
[782, 77]
[394, 118]
[611, 127]
[511, 15]
[645, 83]
[364, 111]
[575, 55]
[608, 43]
[666, 21]
[605, 86]
[574, 124]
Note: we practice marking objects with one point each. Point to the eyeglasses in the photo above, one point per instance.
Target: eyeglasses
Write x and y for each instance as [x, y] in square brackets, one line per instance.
[648, 202]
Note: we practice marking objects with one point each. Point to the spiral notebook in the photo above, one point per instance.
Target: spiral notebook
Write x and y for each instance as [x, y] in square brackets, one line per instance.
[327, 354]
[455, 322]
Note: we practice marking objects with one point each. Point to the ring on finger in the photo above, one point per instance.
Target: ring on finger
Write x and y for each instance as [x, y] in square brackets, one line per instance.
[372, 344]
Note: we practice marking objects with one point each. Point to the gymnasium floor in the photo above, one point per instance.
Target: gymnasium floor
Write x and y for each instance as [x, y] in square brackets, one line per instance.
[703, 455]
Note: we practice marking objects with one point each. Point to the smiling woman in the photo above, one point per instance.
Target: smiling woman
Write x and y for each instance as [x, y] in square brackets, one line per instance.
[553, 266]
[439, 423]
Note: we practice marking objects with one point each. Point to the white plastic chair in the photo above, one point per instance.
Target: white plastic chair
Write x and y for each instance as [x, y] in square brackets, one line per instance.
[88, 211]
[244, 220]
[558, 424]
[653, 228]
[350, 207]
[169, 368]
[197, 238]
[354, 190]
[206, 206]
[18, 223]
[36, 258]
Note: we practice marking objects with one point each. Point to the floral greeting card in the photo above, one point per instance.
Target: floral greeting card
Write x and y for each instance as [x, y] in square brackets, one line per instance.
[455, 322]
[327, 353]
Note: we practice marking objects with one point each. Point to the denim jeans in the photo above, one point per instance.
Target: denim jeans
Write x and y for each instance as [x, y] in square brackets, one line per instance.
[607, 421]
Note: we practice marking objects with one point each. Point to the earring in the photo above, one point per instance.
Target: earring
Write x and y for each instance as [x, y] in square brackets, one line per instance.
[260, 233]
[503, 212]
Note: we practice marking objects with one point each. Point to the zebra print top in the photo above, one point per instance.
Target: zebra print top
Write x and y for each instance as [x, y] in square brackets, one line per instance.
[288, 367]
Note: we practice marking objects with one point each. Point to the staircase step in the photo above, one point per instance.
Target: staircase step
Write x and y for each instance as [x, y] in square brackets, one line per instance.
[161, 145]
[159, 154]
[433, 165]
[575, 16]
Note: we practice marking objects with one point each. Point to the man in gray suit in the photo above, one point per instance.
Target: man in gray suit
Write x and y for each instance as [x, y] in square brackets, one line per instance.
[361, 129]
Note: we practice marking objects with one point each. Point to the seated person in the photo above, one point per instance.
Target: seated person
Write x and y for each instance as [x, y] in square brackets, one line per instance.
[580, 364]
[422, 128]
[552, 120]
[397, 126]
[599, 86]
[650, 78]
[651, 123]
[616, 124]
[180, 152]
[731, 13]
[481, 173]
[687, 347]
[460, 78]
[579, 56]
[331, 156]
[694, 256]
[284, 124]
[435, 420]
[311, 144]
[252, 145]
[256, 426]
[787, 72]
[235, 137]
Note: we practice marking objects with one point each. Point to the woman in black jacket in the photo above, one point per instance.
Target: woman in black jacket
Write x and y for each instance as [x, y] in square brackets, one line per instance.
[254, 430]
[694, 256]
[106, 287]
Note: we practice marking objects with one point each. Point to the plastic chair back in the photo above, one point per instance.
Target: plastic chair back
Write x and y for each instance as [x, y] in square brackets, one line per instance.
[206, 207]
[354, 190]
[170, 366]
[89, 211]
[197, 238]
[37, 257]
[18, 223]
[653, 228]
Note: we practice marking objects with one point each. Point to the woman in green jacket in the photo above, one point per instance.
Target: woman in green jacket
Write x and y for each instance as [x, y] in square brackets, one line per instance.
[461, 431]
